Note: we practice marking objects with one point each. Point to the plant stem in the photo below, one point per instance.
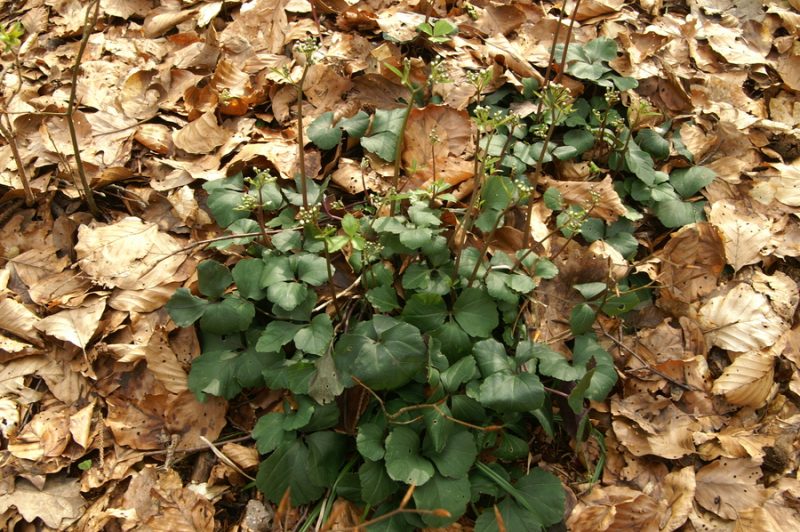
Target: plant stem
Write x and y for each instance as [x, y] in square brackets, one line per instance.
[88, 25]
[398, 150]
[301, 159]
[12, 142]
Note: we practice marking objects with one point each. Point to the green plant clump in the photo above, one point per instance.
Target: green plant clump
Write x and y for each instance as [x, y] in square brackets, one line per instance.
[399, 343]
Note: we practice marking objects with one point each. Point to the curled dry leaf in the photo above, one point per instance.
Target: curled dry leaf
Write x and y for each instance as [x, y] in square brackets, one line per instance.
[129, 254]
[156, 137]
[690, 264]
[76, 326]
[677, 498]
[18, 320]
[748, 381]
[653, 426]
[614, 508]
[201, 135]
[741, 319]
[727, 487]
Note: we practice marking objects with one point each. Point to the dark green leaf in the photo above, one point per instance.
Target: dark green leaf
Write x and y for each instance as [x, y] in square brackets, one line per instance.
[327, 450]
[581, 319]
[653, 143]
[356, 125]
[213, 278]
[383, 298]
[276, 335]
[184, 308]
[457, 457]
[403, 461]
[580, 139]
[552, 199]
[438, 428]
[268, 432]
[230, 315]
[590, 290]
[384, 353]
[247, 276]
[445, 493]
[276, 269]
[369, 440]
[323, 133]
[492, 358]
[689, 181]
[287, 469]
[425, 311]
[287, 295]
[475, 311]
[506, 392]
[455, 342]
[677, 213]
[312, 269]
[459, 373]
[375, 482]
[316, 337]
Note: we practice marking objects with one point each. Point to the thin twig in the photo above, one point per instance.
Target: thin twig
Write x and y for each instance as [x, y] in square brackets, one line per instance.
[88, 24]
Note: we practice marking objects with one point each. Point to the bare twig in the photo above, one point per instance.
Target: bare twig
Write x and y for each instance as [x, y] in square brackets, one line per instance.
[88, 25]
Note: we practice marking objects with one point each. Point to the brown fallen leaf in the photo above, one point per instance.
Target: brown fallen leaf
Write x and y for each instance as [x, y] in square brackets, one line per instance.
[728, 486]
[129, 254]
[58, 504]
[76, 326]
[598, 197]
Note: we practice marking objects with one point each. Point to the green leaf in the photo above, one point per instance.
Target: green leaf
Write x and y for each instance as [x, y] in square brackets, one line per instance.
[276, 335]
[581, 319]
[287, 468]
[438, 427]
[268, 432]
[383, 298]
[457, 457]
[554, 364]
[239, 227]
[689, 181]
[640, 164]
[386, 126]
[312, 269]
[425, 311]
[276, 269]
[544, 494]
[230, 315]
[184, 308]
[601, 49]
[677, 213]
[323, 133]
[327, 450]
[247, 276]
[356, 125]
[475, 311]
[459, 373]
[403, 461]
[491, 357]
[384, 353]
[416, 237]
[287, 296]
[369, 440]
[225, 372]
[590, 290]
[376, 484]
[445, 493]
[213, 278]
[455, 342]
[552, 199]
[653, 143]
[506, 392]
[580, 139]
[316, 337]
[224, 197]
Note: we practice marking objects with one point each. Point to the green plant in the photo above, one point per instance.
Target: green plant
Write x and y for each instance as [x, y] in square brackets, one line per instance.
[409, 379]
[438, 32]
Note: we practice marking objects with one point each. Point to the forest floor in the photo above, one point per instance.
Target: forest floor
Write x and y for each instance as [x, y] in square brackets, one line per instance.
[99, 429]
